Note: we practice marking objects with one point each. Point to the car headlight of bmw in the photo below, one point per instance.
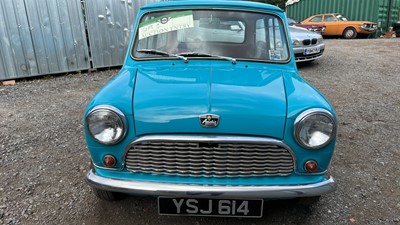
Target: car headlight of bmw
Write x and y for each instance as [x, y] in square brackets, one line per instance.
[315, 128]
[296, 42]
[106, 124]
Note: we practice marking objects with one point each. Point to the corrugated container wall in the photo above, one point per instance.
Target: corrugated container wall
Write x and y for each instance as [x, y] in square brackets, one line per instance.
[109, 26]
[41, 37]
[370, 10]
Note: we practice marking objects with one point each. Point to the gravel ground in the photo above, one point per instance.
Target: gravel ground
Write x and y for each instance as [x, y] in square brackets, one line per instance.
[43, 158]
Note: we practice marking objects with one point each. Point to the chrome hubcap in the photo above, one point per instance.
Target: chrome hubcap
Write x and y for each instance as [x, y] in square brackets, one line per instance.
[349, 33]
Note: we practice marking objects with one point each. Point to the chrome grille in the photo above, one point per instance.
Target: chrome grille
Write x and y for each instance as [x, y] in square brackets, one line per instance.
[208, 159]
[306, 42]
[314, 41]
[310, 41]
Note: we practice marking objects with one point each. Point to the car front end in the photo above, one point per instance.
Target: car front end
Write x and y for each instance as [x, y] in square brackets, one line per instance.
[368, 27]
[210, 125]
[307, 45]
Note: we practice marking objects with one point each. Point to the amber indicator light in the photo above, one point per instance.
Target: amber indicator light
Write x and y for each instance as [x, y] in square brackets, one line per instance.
[311, 166]
[109, 160]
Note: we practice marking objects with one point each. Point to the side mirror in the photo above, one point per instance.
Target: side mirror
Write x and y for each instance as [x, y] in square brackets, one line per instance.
[236, 28]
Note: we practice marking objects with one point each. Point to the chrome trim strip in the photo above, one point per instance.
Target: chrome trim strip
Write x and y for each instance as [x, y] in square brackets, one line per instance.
[107, 168]
[211, 139]
[216, 191]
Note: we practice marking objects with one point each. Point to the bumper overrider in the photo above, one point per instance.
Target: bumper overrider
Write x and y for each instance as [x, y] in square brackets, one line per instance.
[215, 191]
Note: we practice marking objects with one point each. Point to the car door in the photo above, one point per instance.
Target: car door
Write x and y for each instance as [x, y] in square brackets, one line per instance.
[315, 20]
[332, 25]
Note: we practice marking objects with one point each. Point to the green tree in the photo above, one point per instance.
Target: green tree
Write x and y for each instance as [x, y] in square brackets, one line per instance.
[280, 3]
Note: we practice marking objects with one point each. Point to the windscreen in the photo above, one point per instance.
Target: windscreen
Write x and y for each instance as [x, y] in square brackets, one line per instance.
[237, 34]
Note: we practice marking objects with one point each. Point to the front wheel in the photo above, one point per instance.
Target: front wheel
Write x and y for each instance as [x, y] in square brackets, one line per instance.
[108, 195]
[349, 33]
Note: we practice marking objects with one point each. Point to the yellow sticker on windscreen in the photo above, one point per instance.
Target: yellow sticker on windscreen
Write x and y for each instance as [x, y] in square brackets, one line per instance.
[167, 23]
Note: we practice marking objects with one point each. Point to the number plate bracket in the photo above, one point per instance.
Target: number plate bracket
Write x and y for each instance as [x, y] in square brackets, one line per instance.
[211, 207]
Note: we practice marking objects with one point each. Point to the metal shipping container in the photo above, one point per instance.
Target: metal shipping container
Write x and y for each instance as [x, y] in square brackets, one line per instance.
[368, 10]
[41, 37]
[109, 26]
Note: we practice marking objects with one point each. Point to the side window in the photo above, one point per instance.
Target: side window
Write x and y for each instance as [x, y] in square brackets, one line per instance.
[270, 39]
[316, 19]
[329, 18]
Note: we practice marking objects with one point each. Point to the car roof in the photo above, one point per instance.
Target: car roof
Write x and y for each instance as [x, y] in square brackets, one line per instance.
[323, 14]
[212, 3]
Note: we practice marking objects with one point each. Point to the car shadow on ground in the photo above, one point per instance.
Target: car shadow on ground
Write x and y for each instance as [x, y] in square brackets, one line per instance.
[306, 64]
[135, 208]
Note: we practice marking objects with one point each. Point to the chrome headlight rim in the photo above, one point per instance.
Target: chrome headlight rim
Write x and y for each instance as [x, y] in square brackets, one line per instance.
[121, 116]
[304, 116]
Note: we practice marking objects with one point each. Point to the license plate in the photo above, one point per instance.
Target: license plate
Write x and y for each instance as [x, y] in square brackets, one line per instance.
[210, 207]
[309, 51]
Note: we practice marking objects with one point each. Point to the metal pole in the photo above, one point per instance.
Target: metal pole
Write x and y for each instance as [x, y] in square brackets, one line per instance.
[389, 15]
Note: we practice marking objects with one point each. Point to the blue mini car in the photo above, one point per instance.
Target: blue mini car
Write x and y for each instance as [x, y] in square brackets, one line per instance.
[209, 114]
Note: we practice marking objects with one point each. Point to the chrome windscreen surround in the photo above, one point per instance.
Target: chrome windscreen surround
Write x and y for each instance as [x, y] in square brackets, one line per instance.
[209, 156]
[136, 31]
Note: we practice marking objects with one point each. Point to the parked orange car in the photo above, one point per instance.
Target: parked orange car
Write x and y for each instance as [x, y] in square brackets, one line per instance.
[336, 24]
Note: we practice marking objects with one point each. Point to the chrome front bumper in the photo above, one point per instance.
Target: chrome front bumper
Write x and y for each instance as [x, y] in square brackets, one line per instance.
[369, 30]
[188, 190]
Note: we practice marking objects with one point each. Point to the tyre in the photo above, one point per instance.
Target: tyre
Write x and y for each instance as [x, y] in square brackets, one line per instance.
[108, 195]
[349, 33]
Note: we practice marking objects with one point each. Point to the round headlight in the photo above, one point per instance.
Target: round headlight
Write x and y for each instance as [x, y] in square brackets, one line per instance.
[315, 128]
[106, 124]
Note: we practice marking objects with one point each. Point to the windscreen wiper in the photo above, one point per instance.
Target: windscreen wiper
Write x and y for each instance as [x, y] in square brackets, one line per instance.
[200, 54]
[162, 53]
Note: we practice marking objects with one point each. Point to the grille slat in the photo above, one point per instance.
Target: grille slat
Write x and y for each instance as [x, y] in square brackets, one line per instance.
[209, 167]
[205, 164]
[202, 159]
[205, 151]
[153, 156]
[243, 148]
